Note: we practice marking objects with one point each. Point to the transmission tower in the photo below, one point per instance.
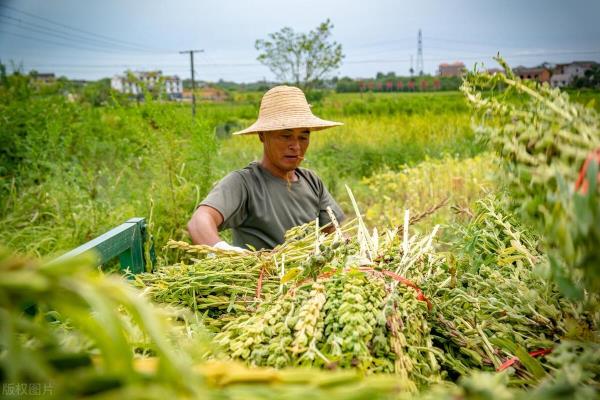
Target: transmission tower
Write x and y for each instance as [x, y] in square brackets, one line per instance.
[420, 66]
[411, 70]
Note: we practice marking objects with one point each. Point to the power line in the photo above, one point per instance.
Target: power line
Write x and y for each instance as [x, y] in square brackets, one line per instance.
[77, 46]
[69, 36]
[371, 44]
[68, 45]
[113, 65]
[75, 29]
[95, 68]
[468, 42]
[368, 61]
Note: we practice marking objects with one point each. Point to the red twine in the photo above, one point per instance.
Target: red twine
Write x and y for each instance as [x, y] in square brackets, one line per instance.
[511, 361]
[260, 281]
[406, 282]
[394, 276]
[582, 184]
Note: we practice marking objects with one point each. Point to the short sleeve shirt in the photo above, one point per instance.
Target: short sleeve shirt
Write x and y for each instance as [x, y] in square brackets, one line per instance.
[260, 207]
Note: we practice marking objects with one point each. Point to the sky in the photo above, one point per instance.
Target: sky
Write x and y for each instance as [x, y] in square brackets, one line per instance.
[93, 39]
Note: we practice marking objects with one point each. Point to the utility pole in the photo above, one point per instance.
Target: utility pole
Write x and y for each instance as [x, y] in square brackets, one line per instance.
[193, 81]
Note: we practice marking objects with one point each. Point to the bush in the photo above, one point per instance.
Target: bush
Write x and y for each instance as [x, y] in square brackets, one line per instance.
[71, 171]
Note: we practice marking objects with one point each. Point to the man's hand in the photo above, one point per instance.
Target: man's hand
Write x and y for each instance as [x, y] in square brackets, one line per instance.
[222, 245]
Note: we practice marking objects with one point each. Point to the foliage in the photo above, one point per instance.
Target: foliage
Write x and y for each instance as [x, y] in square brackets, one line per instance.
[70, 310]
[491, 279]
[590, 79]
[301, 58]
[393, 104]
[219, 288]
[99, 93]
[460, 181]
[70, 332]
[70, 171]
[392, 83]
[544, 142]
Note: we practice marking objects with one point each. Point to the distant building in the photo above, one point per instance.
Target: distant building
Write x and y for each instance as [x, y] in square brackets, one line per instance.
[207, 93]
[452, 69]
[539, 74]
[79, 82]
[493, 71]
[213, 94]
[133, 82]
[45, 78]
[565, 73]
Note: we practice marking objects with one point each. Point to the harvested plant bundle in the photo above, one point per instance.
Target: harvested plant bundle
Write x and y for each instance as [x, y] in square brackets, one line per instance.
[217, 287]
[492, 303]
[347, 320]
[383, 302]
[68, 332]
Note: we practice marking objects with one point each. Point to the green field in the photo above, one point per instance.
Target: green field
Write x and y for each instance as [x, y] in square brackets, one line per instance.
[71, 170]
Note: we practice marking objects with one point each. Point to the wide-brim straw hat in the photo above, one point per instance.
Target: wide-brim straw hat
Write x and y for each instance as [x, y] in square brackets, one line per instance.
[285, 107]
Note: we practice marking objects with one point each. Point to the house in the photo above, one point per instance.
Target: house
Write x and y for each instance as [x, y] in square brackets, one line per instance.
[539, 74]
[453, 69]
[213, 94]
[45, 78]
[133, 83]
[493, 71]
[79, 82]
[565, 73]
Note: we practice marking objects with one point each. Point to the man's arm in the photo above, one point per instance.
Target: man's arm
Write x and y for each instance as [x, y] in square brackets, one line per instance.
[203, 228]
[204, 224]
[223, 207]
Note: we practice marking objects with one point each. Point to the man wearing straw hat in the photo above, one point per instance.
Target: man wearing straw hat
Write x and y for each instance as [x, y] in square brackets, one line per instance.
[263, 200]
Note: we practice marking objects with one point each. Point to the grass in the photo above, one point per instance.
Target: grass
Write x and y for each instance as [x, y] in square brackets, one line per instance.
[71, 171]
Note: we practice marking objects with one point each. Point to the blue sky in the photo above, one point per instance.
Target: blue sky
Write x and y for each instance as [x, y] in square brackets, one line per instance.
[93, 39]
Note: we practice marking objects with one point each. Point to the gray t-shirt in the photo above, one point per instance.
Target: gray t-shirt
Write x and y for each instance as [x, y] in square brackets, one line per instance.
[260, 207]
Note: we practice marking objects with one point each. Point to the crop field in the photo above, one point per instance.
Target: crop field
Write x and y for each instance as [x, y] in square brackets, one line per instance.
[467, 266]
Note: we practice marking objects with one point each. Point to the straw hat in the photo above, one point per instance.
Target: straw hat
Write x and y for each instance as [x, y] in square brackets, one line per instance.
[285, 107]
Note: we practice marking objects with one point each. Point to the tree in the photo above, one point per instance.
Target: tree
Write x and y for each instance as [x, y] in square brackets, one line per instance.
[98, 93]
[300, 58]
[590, 79]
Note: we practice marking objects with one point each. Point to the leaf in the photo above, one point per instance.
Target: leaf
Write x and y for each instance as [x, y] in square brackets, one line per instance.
[531, 364]
[290, 275]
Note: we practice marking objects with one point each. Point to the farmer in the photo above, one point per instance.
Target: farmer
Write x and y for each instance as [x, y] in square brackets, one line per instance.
[263, 200]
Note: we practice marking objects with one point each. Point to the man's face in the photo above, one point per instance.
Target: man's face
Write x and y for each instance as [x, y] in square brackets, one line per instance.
[286, 148]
